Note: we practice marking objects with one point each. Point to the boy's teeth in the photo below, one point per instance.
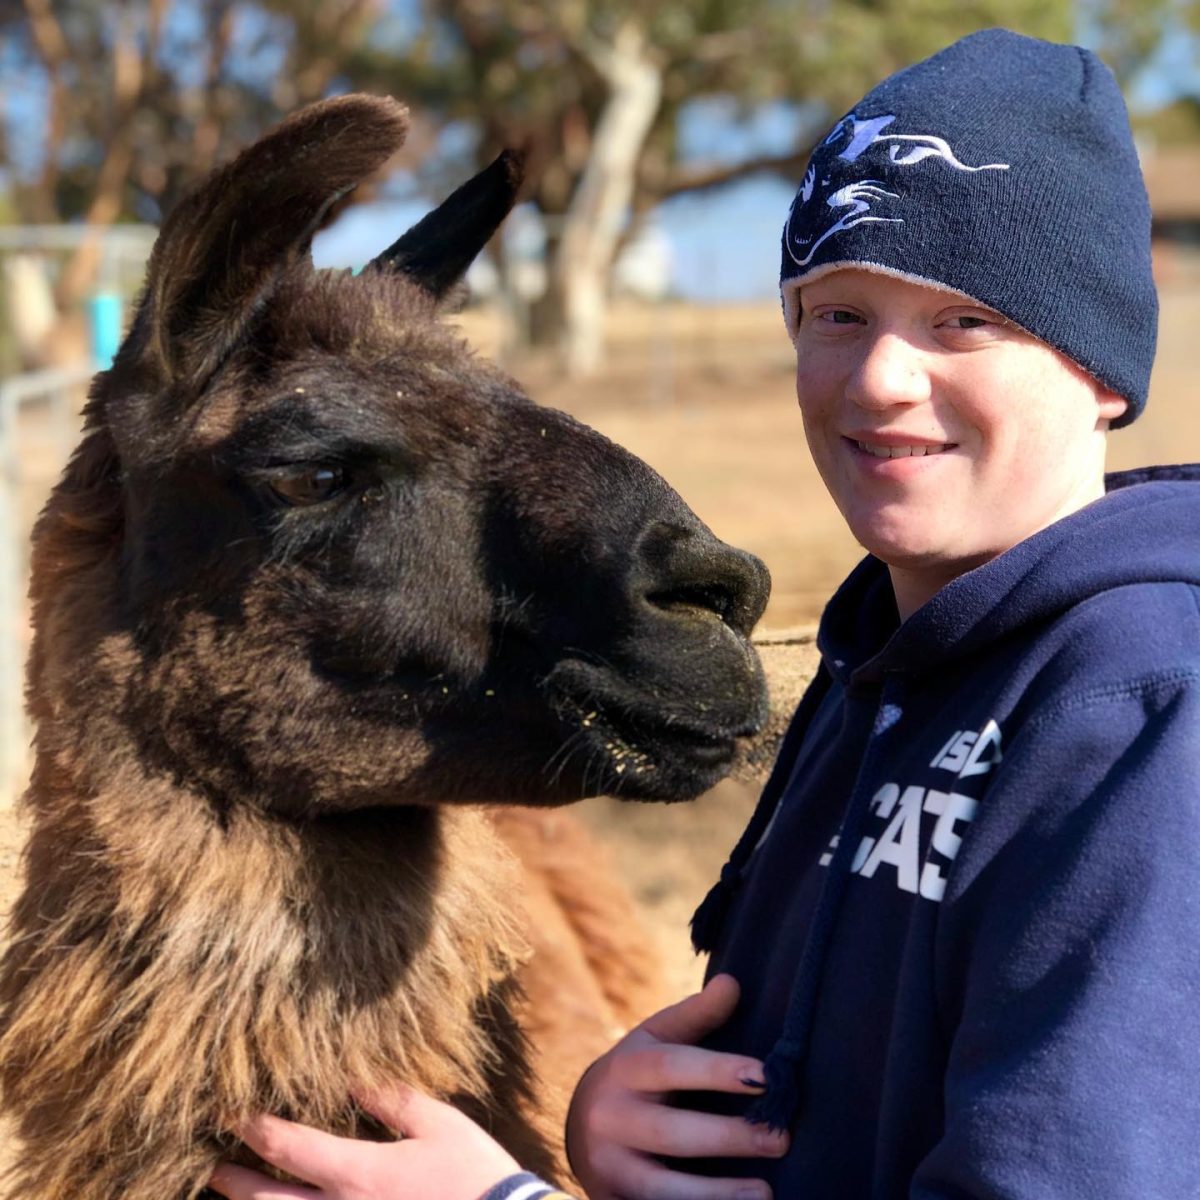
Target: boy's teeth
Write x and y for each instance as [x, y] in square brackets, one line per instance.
[901, 451]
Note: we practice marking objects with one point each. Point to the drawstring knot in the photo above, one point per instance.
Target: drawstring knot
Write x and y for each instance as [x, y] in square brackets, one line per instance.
[779, 1106]
[710, 916]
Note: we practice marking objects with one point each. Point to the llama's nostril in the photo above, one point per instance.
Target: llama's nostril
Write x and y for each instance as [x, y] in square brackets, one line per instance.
[688, 570]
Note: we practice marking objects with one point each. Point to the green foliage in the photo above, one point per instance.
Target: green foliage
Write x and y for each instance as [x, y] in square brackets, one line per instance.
[142, 98]
[1176, 124]
[1127, 32]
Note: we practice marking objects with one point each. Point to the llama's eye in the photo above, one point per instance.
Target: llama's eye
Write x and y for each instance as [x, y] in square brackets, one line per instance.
[311, 485]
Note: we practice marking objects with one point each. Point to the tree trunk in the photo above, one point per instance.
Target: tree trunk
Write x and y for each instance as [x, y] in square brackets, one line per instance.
[592, 226]
[133, 65]
[546, 313]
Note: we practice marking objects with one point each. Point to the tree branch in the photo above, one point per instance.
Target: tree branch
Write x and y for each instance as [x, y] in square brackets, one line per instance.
[206, 135]
[336, 28]
[131, 73]
[50, 44]
[704, 178]
[628, 52]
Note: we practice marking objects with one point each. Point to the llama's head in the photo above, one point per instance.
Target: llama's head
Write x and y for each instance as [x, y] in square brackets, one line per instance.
[314, 555]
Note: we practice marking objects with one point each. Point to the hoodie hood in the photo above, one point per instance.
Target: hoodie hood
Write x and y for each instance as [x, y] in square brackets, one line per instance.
[1146, 528]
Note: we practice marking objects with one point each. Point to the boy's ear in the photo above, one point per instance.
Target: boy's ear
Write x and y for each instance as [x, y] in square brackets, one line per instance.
[223, 249]
[1111, 405]
[436, 252]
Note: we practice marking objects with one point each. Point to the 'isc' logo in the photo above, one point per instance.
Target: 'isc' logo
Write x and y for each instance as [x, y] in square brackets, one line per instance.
[969, 753]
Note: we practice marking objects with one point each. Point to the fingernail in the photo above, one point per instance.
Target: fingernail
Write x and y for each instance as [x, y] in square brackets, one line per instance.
[748, 1081]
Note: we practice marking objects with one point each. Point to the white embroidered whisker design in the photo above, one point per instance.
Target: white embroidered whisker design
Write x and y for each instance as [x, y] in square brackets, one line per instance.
[930, 145]
[857, 197]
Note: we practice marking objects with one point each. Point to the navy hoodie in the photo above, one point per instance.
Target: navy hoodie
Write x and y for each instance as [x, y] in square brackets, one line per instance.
[966, 917]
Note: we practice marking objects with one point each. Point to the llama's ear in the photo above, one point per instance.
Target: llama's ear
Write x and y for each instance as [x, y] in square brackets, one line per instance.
[222, 251]
[436, 252]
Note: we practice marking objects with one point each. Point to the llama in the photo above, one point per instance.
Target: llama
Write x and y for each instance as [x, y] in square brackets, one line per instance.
[316, 588]
[593, 969]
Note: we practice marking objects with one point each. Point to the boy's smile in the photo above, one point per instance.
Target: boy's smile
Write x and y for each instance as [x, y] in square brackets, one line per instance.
[944, 433]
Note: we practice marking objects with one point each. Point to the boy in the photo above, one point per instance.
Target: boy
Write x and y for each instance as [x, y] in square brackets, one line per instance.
[963, 917]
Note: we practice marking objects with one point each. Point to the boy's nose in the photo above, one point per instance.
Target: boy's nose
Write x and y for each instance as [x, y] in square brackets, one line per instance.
[891, 371]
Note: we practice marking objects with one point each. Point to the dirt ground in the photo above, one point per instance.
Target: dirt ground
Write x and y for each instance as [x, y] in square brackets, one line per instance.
[705, 396]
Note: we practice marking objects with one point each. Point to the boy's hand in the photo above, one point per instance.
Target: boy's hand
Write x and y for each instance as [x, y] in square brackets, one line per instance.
[443, 1154]
[618, 1118]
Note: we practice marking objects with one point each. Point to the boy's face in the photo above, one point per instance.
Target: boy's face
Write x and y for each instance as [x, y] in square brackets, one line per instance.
[1008, 434]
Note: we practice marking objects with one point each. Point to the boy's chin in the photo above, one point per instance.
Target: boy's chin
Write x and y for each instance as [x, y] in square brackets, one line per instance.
[938, 563]
[921, 550]
[904, 549]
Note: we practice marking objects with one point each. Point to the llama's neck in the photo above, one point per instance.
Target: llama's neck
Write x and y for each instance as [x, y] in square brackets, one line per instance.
[176, 966]
[185, 970]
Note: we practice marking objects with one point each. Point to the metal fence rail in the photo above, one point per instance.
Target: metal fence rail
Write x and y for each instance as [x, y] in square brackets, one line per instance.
[39, 426]
[54, 395]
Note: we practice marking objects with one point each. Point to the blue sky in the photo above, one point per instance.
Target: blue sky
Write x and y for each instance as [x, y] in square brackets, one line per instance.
[724, 245]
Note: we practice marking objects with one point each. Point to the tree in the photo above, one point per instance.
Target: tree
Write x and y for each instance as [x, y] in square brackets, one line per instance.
[139, 107]
[594, 91]
[142, 98]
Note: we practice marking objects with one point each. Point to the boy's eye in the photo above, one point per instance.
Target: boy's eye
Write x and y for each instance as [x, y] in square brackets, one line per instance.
[839, 316]
[966, 322]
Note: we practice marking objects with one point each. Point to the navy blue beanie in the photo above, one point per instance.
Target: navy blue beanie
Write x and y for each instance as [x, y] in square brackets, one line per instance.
[1002, 168]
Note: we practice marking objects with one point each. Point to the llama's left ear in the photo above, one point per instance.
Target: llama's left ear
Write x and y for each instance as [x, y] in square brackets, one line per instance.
[222, 251]
[436, 252]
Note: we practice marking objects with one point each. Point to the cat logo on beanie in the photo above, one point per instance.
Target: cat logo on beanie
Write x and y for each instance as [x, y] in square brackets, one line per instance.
[851, 203]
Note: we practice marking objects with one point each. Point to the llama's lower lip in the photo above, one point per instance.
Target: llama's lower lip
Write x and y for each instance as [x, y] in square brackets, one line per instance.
[646, 734]
[639, 743]
[703, 747]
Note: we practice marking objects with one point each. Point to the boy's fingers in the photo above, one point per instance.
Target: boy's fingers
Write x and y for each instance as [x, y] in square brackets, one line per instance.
[407, 1111]
[647, 1180]
[238, 1183]
[675, 1068]
[689, 1020]
[309, 1154]
[681, 1133]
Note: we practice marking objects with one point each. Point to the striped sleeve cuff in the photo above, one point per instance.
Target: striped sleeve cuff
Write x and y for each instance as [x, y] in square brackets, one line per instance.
[524, 1187]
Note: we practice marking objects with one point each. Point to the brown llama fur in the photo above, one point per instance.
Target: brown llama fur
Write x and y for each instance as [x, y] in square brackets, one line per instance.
[593, 971]
[310, 591]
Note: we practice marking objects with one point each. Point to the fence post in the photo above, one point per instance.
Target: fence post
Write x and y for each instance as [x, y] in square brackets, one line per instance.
[104, 316]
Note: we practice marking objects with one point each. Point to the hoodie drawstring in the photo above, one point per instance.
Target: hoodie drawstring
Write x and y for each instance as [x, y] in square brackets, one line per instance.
[710, 916]
[779, 1106]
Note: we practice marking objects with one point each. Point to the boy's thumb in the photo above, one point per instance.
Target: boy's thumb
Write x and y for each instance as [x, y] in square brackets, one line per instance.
[696, 1016]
